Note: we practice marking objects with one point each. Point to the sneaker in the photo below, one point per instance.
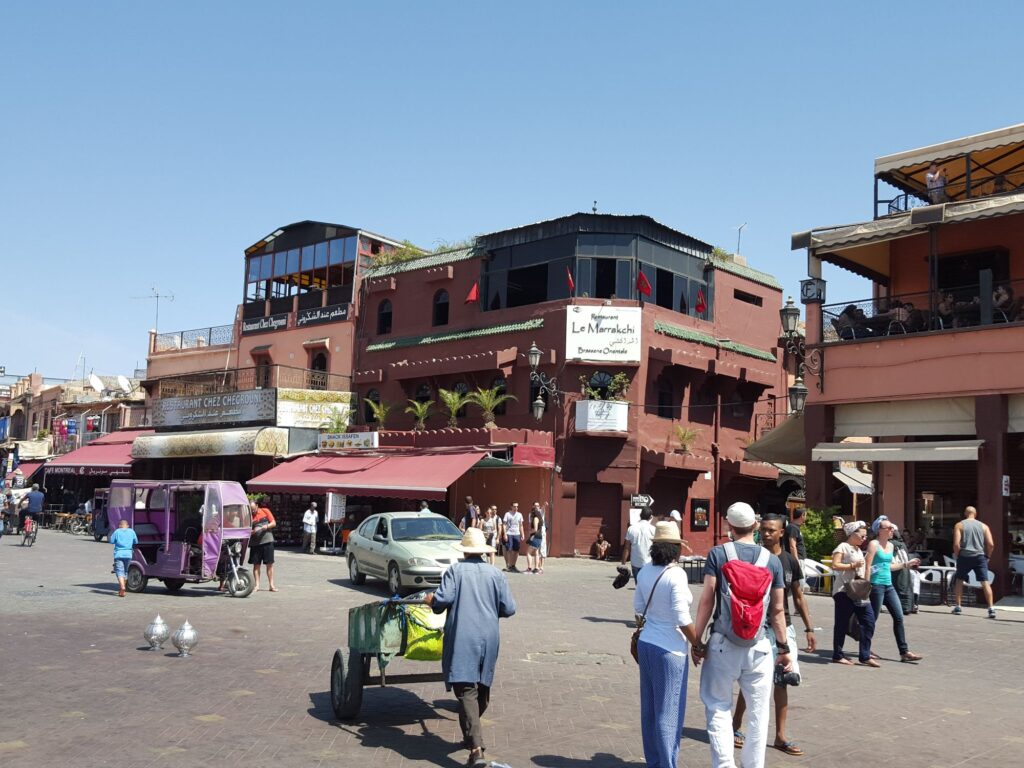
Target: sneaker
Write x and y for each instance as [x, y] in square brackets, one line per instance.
[991, 613]
[956, 610]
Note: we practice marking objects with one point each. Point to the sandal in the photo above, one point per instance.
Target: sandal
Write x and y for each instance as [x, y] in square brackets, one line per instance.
[737, 739]
[843, 660]
[869, 663]
[476, 757]
[910, 656]
[789, 747]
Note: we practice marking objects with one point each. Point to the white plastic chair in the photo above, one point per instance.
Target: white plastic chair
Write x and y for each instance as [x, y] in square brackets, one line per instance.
[821, 574]
[949, 561]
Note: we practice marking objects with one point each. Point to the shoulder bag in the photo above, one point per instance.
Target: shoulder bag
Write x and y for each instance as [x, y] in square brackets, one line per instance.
[857, 589]
[641, 620]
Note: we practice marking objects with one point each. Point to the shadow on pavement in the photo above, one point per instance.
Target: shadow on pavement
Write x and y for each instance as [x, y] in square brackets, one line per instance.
[107, 588]
[696, 734]
[603, 620]
[599, 760]
[381, 720]
[373, 587]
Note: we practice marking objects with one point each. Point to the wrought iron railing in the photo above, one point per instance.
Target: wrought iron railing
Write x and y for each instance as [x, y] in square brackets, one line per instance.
[214, 336]
[909, 313]
[765, 422]
[954, 191]
[258, 377]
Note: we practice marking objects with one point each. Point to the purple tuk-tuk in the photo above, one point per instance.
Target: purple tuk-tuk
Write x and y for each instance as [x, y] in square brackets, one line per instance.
[188, 532]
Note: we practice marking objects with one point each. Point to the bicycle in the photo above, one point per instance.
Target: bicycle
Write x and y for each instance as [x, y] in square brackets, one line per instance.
[80, 524]
[29, 532]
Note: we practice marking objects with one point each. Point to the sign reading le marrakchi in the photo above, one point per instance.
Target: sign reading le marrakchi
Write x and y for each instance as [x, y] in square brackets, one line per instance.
[317, 315]
[609, 334]
[270, 323]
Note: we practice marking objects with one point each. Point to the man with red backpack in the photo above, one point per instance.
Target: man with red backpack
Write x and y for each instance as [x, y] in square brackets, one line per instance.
[743, 589]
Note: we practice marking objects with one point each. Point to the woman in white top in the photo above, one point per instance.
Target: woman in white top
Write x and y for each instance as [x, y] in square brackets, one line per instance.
[663, 595]
[847, 564]
[489, 525]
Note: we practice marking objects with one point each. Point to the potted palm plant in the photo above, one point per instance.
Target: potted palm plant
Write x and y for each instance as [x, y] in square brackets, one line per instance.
[604, 407]
[420, 412]
[453, 402]
[380, 411]
[686, 436]
[489, 400]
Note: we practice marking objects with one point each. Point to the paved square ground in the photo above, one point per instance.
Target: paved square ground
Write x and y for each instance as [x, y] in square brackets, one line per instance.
[76, 689]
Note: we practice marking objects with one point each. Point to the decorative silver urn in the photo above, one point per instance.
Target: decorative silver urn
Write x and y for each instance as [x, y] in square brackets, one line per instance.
[185, 639]
[156, 634]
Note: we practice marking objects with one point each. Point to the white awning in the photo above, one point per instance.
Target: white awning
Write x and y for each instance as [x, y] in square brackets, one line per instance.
[947, 450]
[858, 482]
[260, 441]
[939, 416]
[1001, 137]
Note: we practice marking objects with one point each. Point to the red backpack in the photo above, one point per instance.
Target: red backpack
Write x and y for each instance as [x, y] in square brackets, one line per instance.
[746, 591]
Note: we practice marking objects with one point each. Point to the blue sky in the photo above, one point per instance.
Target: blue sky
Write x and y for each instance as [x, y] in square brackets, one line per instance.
[147, 144]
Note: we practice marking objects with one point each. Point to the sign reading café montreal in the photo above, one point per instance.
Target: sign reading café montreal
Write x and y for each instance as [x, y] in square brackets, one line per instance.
[603, 333]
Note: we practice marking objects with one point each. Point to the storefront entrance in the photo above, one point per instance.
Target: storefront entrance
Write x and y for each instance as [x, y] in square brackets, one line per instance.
[598, 509]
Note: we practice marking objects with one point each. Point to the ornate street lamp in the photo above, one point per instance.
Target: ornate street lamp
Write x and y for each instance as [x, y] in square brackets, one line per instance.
[807, 361]
[798, 395]
[546, 385]
[790, 316]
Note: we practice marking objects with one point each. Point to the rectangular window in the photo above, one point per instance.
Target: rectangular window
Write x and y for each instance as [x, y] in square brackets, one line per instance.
[747, 298]
[320, 258]
[584, 277]
[624, 279]
[307, 259]
[680, 292]
[527, 285]
[291, 262]
[604, 278]
[700, 300]
[280, 263]
[663, 288]
[253, 273]
[495, 287]
[337, 251]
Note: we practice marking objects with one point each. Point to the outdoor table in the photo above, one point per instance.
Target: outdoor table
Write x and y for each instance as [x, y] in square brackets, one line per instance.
[945, 579]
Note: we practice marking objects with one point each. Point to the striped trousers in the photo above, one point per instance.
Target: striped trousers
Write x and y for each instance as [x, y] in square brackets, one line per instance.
[663, 678]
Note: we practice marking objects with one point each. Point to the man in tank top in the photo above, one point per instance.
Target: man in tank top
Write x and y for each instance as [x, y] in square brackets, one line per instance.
[972, 547]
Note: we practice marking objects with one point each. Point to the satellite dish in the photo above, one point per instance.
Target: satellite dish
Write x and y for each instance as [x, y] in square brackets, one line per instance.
[124, 384]
[96, 383]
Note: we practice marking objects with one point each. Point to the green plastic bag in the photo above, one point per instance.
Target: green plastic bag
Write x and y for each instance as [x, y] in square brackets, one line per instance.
[424, 633]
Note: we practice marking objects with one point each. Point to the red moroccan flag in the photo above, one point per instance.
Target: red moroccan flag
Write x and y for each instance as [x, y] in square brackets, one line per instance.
[643, 285]
[474, 294]
[701, 305]
[572, 283]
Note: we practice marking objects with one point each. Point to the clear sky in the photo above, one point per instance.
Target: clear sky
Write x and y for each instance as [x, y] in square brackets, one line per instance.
[147, 144]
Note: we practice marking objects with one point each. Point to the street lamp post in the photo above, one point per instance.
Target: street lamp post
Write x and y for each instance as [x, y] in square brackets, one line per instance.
[546, 385]
[807, 362]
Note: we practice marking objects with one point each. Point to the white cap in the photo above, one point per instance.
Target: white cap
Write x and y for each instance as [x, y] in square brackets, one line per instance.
[740, 515]
[674, 514]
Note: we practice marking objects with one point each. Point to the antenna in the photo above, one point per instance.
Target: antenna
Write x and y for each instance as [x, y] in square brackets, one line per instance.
[594, 209]
[96, 383]
[124, 384]
[156, 295]
[739, 236]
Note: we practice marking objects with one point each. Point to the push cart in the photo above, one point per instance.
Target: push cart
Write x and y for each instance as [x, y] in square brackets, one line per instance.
[385, 630]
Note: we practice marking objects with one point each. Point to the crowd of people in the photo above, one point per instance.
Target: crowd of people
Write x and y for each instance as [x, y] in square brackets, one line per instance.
[510, 534]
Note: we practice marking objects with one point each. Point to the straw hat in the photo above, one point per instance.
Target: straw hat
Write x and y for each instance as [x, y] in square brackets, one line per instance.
[666, 531]
[474, 543]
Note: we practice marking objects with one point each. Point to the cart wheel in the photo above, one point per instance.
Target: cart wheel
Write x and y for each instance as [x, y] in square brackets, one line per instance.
[241, 586]
[136, 581]
[347, 679]
[354, 575]
[174, 585]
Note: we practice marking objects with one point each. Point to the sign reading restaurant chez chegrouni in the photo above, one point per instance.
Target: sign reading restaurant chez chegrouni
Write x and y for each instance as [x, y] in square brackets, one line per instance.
[283, 407]
[603, 333]
[269, 323]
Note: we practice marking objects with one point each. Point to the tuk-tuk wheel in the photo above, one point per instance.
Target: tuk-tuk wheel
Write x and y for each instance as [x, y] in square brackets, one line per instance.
[136, 581]
[347, 679]
[174, 585]
[243, 585]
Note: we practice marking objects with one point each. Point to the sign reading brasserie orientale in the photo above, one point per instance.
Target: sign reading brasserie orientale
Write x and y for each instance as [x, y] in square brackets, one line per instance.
[270, 323]
[317, 315]
[603, 333]
[245, 407]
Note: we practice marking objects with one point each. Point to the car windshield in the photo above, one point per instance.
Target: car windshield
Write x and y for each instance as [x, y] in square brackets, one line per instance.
[409, 529]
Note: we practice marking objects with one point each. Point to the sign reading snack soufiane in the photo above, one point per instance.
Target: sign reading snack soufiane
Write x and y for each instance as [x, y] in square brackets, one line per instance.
[270, 323]
[603, 333]
[317, 315]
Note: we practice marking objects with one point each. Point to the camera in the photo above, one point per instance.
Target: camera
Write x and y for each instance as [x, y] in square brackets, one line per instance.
[782, 677]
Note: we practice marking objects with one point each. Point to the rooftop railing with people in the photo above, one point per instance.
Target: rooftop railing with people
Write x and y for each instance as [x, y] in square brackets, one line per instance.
[953, 190]
[910, 313]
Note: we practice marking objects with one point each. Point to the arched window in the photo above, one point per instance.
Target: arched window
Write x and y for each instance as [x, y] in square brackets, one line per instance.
[368, 415]
[384, 317]
[501, 388]
[441, 307]
[599, 382]
[423, 393]
[463, 389]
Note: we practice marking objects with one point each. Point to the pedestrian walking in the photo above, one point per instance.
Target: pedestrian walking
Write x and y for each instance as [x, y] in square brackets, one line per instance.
[124, 541]
[512, 537]
[972, 547]
[848, 567]
[663, 598]
[470, 516]
[489, 525]
[535, 545]
[793, 538]
[636, 547]
[743, 591]
[879, 565]
[773, 534]
[476, 595]
[261, 545]
[309, 523]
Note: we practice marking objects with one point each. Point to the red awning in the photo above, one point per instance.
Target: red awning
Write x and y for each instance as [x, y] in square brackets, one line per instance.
[96, 458]
[401, 476]
[27, 469]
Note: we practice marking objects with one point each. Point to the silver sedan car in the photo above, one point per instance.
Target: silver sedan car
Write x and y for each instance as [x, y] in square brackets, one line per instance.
[408, 549]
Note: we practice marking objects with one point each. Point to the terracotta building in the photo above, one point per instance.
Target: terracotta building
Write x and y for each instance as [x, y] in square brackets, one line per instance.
[930, 366]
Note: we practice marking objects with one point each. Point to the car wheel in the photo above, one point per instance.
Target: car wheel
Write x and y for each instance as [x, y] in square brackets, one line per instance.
[136, 581]
[394, 580]
[353, 571]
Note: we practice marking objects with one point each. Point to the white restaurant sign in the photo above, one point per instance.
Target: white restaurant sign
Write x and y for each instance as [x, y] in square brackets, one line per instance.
[311, 408]
[603, 333]
[332, 441]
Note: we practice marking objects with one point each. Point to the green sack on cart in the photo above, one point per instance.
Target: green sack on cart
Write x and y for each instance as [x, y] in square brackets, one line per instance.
[424, 633]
